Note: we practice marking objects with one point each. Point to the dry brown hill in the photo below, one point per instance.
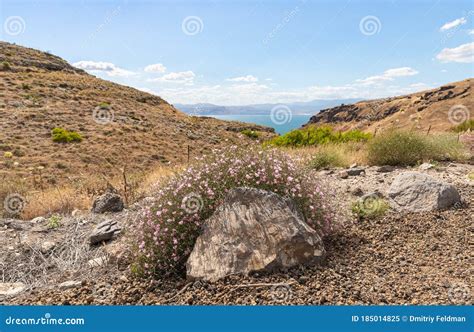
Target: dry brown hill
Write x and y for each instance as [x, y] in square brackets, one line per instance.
[40, 91]
[440, 109]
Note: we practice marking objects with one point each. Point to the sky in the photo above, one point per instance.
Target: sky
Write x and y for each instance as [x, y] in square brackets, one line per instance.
[249, 52]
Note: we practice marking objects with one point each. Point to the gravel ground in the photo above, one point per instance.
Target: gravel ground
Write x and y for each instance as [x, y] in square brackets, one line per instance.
[398, 259]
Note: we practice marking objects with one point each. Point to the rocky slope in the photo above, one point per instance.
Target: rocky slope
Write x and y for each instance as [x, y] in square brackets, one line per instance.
[119, 125]
[413, 258]
[440, 109]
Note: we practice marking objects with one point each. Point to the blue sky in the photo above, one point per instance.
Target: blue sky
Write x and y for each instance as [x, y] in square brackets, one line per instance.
[242, 52]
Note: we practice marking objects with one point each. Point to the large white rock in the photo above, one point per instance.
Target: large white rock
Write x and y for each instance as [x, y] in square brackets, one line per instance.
[253, 230]
[418, 192]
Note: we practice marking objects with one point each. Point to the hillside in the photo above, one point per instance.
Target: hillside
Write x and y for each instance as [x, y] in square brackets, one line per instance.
[120, 126]
[420, 110]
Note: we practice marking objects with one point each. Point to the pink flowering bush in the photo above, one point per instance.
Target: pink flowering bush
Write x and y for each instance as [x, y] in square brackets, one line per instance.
[166, 234]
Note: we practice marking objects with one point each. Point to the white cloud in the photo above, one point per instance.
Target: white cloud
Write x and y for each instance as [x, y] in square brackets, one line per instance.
[155, 68]
[453, 24]
[463, 54]
[388, 75]
[185, 77]
[102, 67]
[470, 32]
[248, 78]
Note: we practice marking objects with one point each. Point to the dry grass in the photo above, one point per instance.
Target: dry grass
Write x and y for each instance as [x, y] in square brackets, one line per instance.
[79, 194]
[346, 153]
[57, 200]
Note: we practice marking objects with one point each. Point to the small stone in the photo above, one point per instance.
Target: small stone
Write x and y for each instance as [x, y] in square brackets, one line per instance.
[353, 165]
[426, 166]
[38, 220]
[104, 231]
[355, 171]
[99, 261]
[343, 174]
[47, 246]
[11, 288]
[385, 169]
[69, 284]
[357, 192]
[108, 202]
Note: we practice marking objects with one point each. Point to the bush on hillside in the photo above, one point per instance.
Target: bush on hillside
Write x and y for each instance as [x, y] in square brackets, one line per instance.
[5, 65]
[166, 234]
[464, 126]
[313, 135]
[60, 135]
[250, 133]
[327, 158]
[408, 148]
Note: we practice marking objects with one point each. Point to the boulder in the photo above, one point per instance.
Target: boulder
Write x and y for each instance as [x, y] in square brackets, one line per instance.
[253, 230]
[419, 192]
[108, 202]
[104, 231]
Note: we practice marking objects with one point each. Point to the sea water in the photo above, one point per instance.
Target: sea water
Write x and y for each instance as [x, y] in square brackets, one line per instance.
[281, 127]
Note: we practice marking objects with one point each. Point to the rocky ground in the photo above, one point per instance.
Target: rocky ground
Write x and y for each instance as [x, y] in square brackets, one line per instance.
[414, 258]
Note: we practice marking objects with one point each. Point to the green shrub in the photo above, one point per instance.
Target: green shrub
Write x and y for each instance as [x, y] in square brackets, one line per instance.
[369, 207]
[404, 148]
[327, 158]
[408, 148]
[446, 147]
[313, 135]
[465, 126]
[54, 221]
[61, 135]
[6, 65]
[104, 105]
[250, 133]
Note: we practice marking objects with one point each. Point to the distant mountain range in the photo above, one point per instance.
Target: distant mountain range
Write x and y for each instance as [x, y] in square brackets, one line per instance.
[309, 108]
